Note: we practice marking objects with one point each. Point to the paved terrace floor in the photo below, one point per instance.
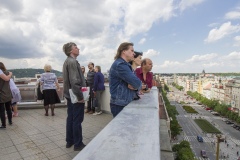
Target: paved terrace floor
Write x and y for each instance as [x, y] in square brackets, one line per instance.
[34, 136]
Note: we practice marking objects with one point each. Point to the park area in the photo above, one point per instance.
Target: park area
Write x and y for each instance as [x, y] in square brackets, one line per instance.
[189, 109]
[206, 126]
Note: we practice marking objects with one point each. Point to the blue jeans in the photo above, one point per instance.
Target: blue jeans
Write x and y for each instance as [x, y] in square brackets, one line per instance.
[74, 123]
[115, 109]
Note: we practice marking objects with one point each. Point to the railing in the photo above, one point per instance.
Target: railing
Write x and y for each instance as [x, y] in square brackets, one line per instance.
[132, 135]
[29, 96]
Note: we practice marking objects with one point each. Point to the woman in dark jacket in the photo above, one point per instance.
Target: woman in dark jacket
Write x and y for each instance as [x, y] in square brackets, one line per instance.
[5, 95]
[98, 89]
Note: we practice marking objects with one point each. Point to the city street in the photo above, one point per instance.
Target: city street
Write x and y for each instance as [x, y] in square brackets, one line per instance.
[191, 130]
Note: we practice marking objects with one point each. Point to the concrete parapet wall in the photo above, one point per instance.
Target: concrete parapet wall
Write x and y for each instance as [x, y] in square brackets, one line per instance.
[133, 134]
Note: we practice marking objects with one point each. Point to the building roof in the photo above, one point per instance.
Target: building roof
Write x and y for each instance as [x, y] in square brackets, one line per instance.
[208, 86]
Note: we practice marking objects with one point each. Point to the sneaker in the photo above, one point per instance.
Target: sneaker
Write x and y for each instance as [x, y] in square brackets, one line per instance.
[3, 127]
[79, 148]
[87, 111]
[91, 112]
[97, 113]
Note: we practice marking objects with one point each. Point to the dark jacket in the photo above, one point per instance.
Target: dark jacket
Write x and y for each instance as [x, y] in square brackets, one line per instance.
[90, 78]
[120, 76]
[72, 78]
[5, 91]
[98, 82]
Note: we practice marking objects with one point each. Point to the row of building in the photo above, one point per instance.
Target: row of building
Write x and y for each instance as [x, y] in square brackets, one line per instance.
[224, 89]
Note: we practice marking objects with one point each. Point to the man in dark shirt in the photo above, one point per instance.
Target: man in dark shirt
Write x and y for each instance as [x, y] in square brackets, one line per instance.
[90, 83]
[144, 74]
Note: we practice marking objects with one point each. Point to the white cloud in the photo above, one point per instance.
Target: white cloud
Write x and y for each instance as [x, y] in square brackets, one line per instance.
[39, 30]
[233, 56]
[213, 25]
[212, 62]
[140, 15]
[237, 41]
[224, 30]
[201, 58]
[143, 40]
[150, 53]
[32, 34]
[171, 64]
[188, 3]
[232, 15]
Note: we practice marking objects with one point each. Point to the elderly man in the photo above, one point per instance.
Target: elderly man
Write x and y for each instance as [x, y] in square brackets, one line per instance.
[73, 79]
[144, 74]
[123, 83]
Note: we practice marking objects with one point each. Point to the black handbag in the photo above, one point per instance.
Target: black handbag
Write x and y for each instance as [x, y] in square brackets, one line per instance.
[95, 102]
[39, 93]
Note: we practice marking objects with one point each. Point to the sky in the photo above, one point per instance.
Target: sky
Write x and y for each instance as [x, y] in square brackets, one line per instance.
[179, 36]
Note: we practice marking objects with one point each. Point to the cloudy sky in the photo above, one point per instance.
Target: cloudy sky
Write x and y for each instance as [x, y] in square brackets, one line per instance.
[178, 35]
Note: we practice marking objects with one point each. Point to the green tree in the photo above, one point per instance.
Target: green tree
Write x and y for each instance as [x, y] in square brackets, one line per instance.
[176, 147]
[185, 144]
[185, 154]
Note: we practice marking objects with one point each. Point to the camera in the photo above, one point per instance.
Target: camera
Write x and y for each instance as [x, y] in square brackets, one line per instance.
[145, 89]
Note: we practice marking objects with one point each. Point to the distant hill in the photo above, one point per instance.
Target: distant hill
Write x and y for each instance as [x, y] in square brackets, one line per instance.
[30, 72]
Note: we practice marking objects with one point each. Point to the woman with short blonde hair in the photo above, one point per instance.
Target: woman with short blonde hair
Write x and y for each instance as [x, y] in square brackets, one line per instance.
[49, 84]
[47, 68]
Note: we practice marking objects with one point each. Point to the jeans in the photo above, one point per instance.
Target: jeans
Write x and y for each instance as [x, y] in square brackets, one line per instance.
[90, 106]
[98, 107]
[115, 109]
[74, 123]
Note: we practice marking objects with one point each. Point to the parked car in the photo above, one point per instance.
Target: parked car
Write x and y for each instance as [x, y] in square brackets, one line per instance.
[203, 154]
[237, 127]
[224, 119]
[200, 139]
[229, 122]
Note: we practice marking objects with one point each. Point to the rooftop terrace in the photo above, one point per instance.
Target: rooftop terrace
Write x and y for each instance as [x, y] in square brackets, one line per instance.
[34, 136]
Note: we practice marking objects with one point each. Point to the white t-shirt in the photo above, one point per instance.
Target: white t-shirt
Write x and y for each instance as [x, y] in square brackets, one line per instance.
[12, 84]
[1, 72]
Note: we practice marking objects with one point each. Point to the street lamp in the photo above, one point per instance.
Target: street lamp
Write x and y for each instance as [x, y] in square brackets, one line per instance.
[218, 141]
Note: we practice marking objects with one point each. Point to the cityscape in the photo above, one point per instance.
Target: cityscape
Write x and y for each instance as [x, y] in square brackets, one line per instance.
[212, 99]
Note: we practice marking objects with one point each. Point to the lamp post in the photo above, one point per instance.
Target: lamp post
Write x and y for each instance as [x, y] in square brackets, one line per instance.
[218, 141]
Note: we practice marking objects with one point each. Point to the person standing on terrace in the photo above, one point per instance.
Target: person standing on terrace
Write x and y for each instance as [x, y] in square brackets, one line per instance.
[98, 89]
[16, 97]
[144, 74]
[90, 83]
[49, 85]
[123, 83]
[73, 79]
[5, 95]
[136, 60]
